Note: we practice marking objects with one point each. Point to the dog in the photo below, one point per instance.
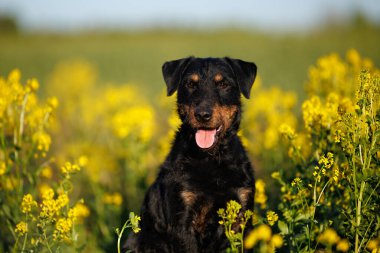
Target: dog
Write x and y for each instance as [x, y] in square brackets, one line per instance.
[207, 165]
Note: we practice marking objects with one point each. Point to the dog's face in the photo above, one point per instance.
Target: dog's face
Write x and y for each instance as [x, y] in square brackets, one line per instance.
[209, 94]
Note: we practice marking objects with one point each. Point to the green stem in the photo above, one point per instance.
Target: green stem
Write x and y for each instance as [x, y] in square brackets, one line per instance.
[24, 243]
[358, 216]
[126, 224]
[242, 239]
[47, 243]
[365, 234]
[356, 200]
[373, 191]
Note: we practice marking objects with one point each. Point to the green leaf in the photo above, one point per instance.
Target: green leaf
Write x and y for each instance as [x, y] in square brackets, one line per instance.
[283, 227]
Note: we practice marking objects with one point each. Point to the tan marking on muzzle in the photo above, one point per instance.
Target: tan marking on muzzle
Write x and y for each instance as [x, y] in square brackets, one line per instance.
[221, 115]
[226, 114]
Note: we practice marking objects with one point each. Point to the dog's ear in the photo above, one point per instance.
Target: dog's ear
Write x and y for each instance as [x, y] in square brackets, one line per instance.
[245, 73]
[172, 72]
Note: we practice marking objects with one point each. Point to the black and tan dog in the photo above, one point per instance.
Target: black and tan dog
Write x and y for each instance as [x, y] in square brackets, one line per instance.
[207, 165]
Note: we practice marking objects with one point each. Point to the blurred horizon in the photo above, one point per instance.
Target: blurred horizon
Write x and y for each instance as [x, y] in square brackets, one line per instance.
[273, 15]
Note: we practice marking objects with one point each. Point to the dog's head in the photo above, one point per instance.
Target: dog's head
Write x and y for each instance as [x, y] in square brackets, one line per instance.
[208, 94]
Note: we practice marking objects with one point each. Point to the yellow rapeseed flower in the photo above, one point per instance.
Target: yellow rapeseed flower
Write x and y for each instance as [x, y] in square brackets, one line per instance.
[42, 140]
[260, 196]
[53, 102]
[135, 121]
[328, 237]
[14, 76]
[287, 131]
[251, 240]
[113, 199]
[264, 232]
[373, 244]
[27, 203]
[260, 233]
[21, 228]
[296, 182]
[135, 219]
[2, 168]
[343, 245]
[32, 84]
[80, 211]
[48, 206]
[83, 161]
[69, 168]
[277, 241]
[46, 172]
[62, 229]
[272, 218]
[62, 200]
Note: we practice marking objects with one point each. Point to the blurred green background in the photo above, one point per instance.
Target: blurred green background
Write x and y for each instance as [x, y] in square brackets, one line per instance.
[136, 56]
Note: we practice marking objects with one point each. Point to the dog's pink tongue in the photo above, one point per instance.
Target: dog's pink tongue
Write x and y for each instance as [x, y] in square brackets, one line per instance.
[205, 138]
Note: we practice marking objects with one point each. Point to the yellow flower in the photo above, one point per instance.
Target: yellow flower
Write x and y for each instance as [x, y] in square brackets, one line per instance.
[353, 57]
[277, 241]
[53, 102]
[62, 200]
[251, 240]
[81, 211]
[264, 232]
[297, 181]
[260, 196]
[287, 131]
[260, 233]
[48, 205]
[113, 199]
[62, 229]
[69, 168]
[21, 228]
[328, 237]
[14, 76]
[373, 244]
[83, 161]
[27, 203]
[272, 217]
[46, 172]
[32, 84]
[135, 121]
[42, 140]
[134, 222]
[343, 245]
[2, 168]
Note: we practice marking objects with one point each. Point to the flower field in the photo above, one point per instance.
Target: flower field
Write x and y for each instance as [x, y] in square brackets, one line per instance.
[76, 158]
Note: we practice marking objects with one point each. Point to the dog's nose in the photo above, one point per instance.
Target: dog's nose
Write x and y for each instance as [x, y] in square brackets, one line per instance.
[203, 115]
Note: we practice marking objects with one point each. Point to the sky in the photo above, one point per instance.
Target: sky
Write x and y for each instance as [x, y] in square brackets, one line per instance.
[69, 15]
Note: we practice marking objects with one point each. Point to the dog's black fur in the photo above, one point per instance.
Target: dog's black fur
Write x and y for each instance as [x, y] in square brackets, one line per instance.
[179, 213]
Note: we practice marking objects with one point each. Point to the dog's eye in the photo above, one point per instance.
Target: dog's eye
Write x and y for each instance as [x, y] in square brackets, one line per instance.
[191, 84]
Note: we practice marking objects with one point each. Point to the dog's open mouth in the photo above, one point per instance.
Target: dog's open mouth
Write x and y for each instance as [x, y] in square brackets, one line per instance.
[205, 138]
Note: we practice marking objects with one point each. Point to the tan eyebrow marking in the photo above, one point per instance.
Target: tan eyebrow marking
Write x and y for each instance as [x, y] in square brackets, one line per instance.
[218, 77]
[194, 77]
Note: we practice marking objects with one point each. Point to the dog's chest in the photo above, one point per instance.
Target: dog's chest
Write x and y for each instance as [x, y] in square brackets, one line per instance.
[205, 192]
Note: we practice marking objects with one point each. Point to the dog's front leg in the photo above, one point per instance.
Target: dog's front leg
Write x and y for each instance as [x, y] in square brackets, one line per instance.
[162, 223]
